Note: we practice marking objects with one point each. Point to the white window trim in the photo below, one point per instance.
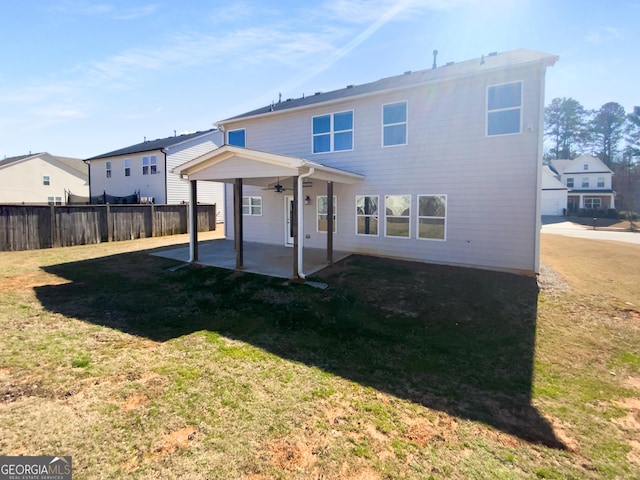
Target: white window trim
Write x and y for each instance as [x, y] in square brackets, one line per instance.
[405, 123]
[377, 217]
[335, 214]
[251, 198]
[153, 162]
[598, 182]
[418, 217]
[592, 199]
[48, 180]
[573, 182]
[238, 130]
[332, 132]
[586, 180]
[408, 237]
[520, 107]
[127, 166]
[147, 165]
[108, 169]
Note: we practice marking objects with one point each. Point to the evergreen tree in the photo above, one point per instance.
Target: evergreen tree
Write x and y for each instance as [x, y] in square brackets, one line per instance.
[608, 126]
[566, 125]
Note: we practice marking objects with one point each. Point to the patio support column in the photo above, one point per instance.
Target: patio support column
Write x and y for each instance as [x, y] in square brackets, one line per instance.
[294, 227]
[330, 208]
[193, 222]
[237, 218]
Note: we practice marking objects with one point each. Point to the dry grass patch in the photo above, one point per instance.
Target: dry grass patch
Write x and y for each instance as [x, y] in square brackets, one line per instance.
[398, 370]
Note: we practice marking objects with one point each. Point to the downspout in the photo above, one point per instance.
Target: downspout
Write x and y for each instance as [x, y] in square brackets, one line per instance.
[300, 229]
[166, 177]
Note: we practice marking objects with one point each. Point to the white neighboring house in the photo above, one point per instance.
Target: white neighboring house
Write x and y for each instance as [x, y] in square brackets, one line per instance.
[554, 194]
[441, 165]
[589, 182]
[146, 167]
[42, 178]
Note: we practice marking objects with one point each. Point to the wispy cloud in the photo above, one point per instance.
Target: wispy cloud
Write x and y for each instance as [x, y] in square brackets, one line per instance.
[87, 8]
[604, 35]
[367, 11]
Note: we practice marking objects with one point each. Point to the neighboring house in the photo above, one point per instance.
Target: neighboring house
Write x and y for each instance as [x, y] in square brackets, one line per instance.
[145, 168]
[554, 194]
[42, 178]
[589, 182]
[441, 165]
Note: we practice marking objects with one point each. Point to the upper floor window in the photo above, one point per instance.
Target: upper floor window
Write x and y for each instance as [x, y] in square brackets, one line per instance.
[585, 166]
[323, 213]
[367, 215]
[333, 132]
[570, 182]
[237, 137]
[504, 109]
[397, 216]
[127, 167]
[432, 216]
[394, 124]
[46, 180]
[149, 165]
[252, 206]
[585, 182]
[601, 182]
[108, 169]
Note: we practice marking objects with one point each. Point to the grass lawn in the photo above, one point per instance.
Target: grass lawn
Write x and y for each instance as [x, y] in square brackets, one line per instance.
[398, 370]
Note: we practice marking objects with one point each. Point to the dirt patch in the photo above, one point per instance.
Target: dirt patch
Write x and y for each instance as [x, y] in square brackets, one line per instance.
[633, 382]
[175, 440]
[422, 432]
[133, 402]
[291, 455]
[631, 424]
[30, 281]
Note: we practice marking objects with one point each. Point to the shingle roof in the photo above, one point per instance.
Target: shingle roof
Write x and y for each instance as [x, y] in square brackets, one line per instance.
[10, 160]
[151, 145]
[75, 164]
[450, 70]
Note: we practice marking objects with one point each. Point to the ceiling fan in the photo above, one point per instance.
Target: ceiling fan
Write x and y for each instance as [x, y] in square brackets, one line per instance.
[278, 188]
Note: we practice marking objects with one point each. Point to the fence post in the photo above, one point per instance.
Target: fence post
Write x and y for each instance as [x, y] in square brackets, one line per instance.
[52, 230]
[153, 220]
[109, 224]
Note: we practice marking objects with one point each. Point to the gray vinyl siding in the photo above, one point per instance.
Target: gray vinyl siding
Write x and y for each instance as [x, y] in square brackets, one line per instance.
[490, 182]
[178, 189]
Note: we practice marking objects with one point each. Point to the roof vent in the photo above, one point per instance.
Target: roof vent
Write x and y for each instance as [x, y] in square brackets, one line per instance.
[493, 54]
[318, 93]
[449, 64]
[408, 72]
[349, 86]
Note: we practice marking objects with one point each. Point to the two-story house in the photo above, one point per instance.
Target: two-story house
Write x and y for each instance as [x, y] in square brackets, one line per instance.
[589, 182]
[145, 169]
[42, 178]
[441, 165]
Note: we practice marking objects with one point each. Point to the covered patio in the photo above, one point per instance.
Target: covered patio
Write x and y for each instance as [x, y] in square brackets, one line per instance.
[242, 166]
[261, 258]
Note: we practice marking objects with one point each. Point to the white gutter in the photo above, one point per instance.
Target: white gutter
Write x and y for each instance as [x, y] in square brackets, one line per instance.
[300, 228]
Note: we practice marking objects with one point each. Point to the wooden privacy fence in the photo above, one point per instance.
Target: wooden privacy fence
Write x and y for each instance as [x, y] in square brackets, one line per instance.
[29, 227]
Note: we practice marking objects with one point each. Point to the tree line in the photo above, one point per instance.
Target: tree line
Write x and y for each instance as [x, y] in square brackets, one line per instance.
[610, 133]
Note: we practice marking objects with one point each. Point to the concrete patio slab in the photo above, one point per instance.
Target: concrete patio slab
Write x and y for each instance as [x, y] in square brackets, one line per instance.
[261, 258]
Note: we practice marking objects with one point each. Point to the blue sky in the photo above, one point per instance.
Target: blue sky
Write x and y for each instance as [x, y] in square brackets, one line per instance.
[80, 78]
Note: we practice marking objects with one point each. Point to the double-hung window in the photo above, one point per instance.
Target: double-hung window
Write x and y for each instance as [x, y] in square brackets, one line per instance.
[585, 182]
[367, 215]
[397, 216]
[600, 182]
[570, 182]
[108, 169]
[592, 203]
[237, 138]
[394, 124]
[149, 165]
[252, 206]
[333, 132]
[322, 209]
[46, 180]
[432, 216]
[504, 109]
[127, 167]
